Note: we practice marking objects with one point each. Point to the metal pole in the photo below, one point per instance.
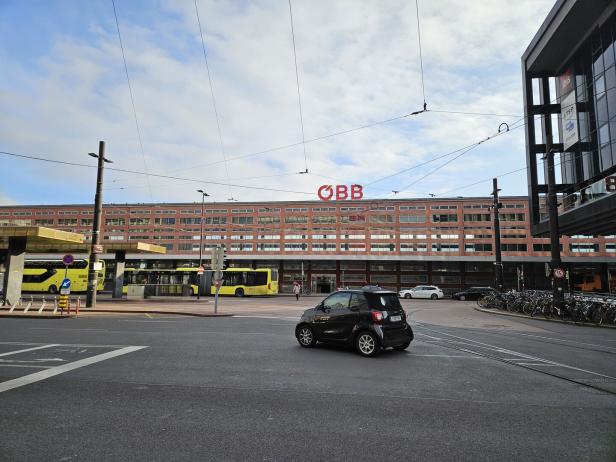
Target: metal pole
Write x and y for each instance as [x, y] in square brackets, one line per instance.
[555, 262]
[498, 263]
[201, 247]
[96, 230]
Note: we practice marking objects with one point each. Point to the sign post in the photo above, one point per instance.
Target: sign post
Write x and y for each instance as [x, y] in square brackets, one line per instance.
[68, 260]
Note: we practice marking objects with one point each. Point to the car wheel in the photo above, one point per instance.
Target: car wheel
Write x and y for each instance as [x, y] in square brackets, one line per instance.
[239, 292]
[367, 344]
[462, 298]
[53, 289]
[404, 346]
[305, 336]
[434, 297]
[407, 296]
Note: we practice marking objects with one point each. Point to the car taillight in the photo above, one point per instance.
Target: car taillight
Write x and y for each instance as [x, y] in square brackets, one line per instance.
[377, 316]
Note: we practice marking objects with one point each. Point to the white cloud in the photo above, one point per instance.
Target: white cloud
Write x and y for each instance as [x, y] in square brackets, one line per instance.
[358, 63]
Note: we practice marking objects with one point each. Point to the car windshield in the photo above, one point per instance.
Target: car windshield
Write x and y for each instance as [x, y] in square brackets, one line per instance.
[383, 301]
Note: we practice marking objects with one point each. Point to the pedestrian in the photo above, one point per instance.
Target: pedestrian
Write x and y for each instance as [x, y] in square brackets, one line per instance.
[296, 290]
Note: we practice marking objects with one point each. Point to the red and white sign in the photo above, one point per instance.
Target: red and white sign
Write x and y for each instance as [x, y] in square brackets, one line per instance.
[340, 192]
[200, 270]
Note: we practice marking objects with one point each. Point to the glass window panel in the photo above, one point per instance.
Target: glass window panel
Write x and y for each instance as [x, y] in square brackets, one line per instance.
[602, 116]
[608, 56]
[610, 79]
[604, 134]
[606, 157]
[598, 66]
[611, 103]
[599, 86]
[580, 88]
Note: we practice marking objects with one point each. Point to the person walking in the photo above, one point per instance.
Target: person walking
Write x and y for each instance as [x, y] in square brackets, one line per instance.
[296, 290]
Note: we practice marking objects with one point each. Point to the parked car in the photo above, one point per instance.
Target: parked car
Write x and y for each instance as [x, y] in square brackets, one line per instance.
[473, 293]
[366, 319]
[432, 292]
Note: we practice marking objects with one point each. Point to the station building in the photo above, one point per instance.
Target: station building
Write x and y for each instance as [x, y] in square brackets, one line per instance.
[395, 243]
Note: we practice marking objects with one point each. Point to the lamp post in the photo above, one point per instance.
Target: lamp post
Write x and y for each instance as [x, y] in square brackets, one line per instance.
[498, 261]
[203, 195]
[96, 249]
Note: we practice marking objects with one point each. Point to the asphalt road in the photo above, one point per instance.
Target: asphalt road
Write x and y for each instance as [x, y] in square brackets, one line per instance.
[475, 388]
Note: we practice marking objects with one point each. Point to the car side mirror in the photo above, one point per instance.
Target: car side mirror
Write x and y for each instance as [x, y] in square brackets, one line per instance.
[319, 307]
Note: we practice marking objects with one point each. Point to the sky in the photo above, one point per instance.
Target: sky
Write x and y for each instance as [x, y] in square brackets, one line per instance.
[64, 88]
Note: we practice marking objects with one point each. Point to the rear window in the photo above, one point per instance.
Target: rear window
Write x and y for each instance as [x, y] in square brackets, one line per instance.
[383, 301]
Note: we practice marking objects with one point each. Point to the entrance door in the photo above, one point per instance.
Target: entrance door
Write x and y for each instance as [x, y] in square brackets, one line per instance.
[323, 283]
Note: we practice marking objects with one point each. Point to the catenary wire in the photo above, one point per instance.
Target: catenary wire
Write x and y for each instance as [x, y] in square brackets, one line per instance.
[423, 88]
[209, 78]
[299, 97]
[132, 98]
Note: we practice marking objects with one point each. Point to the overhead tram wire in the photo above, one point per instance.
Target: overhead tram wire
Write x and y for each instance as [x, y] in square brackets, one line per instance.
[132, 100]
[156, 175]
[299, 97]
[209, 77]
[423, 88]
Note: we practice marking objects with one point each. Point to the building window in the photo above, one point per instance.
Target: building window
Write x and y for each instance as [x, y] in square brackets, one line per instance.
[513, 247]
[445, 218]
[584, 247]
[186, 221]
[323, 247]
[291, 247]
[269, 236]
[444, 236]
[382, 247]
[296, 219]
[415, 247]
[381, 219]
[512, 216]
[269, 247]
[404, 208]
[296, 209]
[478, 247]
[412, 219]
[138, 221]
[241, 247]
[445, 247]
[324, 219]
[443, 207]
[352, 219]
[65, 221]
[324, 236]
[164, 221]
[268, 220]
[48, 222]
[611, 248]
[353, 247]
[242, 220]
[477, 217]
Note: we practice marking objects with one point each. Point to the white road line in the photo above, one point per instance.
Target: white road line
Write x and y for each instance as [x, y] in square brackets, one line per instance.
[561, 340]
[42, 375]
[25, 365]
[538, 364]
[29, 349]
[449, 356]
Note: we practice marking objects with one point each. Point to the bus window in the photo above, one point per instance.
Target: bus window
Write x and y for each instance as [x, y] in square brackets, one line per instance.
[274, 276]
[256, 278]
[233, 278]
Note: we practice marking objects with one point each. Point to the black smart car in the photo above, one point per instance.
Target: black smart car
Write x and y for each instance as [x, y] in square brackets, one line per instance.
[368, 319]
[473, 293]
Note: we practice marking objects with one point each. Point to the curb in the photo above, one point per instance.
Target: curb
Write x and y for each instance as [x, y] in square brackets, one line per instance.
[38, 316]
[179, 313]
[523, 316]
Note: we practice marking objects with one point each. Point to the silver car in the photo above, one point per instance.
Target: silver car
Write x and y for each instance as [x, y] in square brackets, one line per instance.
[432, 292]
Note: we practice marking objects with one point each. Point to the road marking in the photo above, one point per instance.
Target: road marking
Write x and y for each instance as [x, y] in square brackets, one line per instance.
[25, 365]
[148, 316]
[448, 356]
[538, 364]
[51, 372]
[268, 317]
[29, 349]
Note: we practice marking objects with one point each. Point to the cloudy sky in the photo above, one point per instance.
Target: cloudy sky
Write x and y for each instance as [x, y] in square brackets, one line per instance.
[63, 87]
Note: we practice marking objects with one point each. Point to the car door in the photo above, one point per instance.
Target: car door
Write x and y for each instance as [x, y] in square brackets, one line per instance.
[330, 317]
[421, 292]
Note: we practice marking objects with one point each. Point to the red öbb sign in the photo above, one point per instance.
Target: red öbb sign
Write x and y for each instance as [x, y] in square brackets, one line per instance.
[340, 192]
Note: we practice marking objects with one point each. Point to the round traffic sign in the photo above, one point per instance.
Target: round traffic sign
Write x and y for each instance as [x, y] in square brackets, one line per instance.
[68, 259]
[559, 273]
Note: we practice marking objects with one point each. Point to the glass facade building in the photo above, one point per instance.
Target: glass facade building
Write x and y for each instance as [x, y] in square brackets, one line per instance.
[570, 107]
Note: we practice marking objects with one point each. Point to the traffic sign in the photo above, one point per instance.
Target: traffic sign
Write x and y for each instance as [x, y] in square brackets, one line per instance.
[97, 248]
[200, 270]
[68, 259]
[65, 287]
[559, 273]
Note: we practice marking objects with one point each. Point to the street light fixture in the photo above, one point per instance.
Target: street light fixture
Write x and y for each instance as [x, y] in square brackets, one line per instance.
[96, 248]
[203, 196]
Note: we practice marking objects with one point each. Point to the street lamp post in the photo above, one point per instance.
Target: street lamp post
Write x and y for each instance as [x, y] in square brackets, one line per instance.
[95, 250]
[203, 195]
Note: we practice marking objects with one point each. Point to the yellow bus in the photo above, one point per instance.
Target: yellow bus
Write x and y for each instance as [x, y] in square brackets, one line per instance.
[239, 282]
[47, 276]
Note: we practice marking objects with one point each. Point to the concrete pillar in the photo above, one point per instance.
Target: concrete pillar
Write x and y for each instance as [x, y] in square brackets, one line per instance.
[14, 265]
[118, 277]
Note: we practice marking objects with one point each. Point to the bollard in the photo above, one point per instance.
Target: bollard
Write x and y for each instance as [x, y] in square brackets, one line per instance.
[78, 305]
[55, 305]
[29, 304]
[13, 307]
[42, 305]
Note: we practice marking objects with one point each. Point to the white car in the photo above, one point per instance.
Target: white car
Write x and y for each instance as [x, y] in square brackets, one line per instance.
[431, 292]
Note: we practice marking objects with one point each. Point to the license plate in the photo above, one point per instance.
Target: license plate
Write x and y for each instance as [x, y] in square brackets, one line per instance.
[396, 318]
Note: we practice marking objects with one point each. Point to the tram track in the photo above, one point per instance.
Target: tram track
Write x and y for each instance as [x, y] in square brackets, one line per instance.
[516, 358]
